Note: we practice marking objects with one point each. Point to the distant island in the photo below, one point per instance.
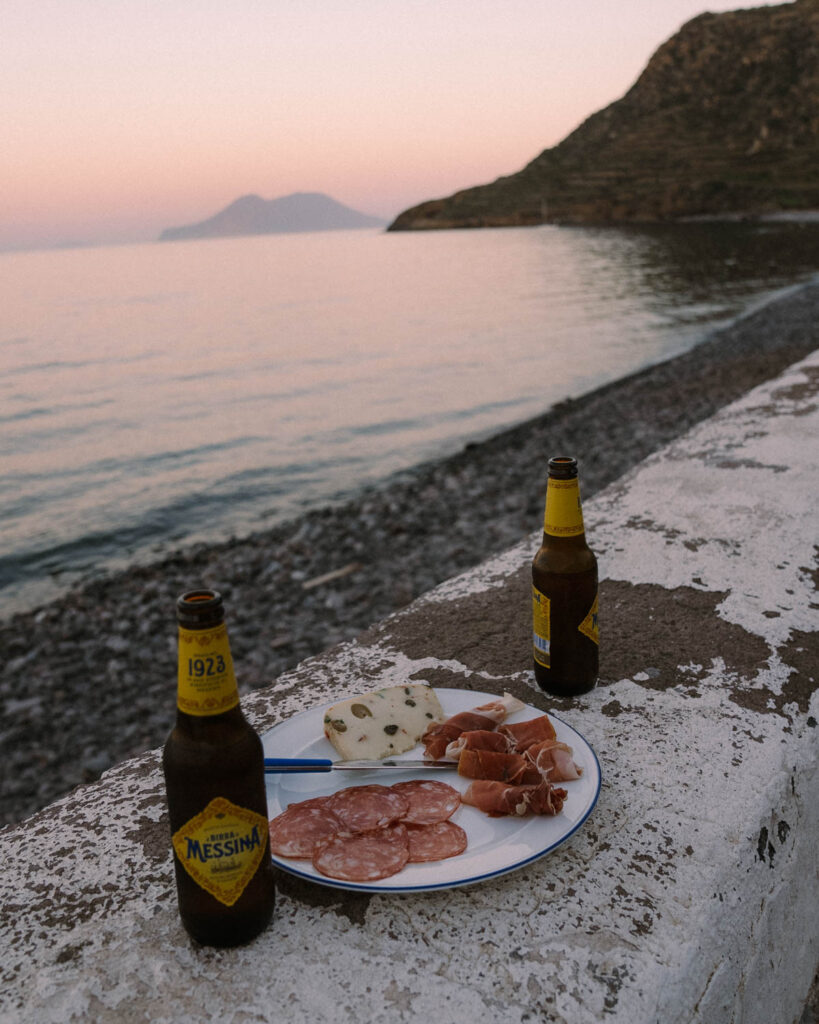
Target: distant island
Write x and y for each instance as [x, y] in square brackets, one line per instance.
[723, 120]
[252, 215]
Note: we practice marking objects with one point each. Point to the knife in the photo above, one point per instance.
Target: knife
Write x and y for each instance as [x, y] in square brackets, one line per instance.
[277, 765]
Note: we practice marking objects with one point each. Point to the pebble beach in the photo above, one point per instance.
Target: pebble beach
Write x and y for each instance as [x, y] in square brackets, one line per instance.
[90, 678]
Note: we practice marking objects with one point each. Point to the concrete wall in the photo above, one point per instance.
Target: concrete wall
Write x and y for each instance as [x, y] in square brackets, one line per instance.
[690, 895]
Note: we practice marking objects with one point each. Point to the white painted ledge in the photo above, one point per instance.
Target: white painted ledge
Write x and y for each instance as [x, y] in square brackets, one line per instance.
[689, 896]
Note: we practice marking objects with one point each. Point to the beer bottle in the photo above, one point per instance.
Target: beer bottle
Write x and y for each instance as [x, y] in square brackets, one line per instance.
[564, 591]
[214, 780]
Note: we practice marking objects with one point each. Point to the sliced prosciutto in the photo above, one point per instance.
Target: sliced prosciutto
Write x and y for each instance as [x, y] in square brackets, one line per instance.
[492, 764]
[438, 737]
[363, 856]
[430, 801]
[554, 761]
[527, 734]
[435, 842]
[295, 831]
[488, 716]
[362, 808]
[500, 708]
[499, 798]
[479, 739]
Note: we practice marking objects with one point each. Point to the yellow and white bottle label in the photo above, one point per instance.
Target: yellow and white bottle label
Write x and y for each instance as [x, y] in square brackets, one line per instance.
[564, 515]
[541, 629]
[221, 848]
[207, 682]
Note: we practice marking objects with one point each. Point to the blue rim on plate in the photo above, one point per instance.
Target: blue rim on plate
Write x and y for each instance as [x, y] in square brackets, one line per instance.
[497, 846]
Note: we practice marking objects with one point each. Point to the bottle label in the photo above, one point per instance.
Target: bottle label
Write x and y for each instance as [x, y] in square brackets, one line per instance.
[564, 514]
[221, 848]
[207, 682]
[589, 627]
[541, 632]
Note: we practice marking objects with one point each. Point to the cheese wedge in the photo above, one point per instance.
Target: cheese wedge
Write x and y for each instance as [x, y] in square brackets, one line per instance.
[383, 722]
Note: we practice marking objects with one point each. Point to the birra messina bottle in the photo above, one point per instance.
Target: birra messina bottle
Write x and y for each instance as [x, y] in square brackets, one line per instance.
[564, 591]
[214, 779]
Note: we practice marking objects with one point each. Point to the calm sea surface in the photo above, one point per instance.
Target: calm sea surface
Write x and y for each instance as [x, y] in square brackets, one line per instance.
[154, 395]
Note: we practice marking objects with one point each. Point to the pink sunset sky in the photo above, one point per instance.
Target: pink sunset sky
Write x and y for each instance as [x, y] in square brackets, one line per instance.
[123, 117]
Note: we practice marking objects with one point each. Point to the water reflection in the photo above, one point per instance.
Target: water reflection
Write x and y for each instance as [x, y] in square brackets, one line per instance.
[708, 263]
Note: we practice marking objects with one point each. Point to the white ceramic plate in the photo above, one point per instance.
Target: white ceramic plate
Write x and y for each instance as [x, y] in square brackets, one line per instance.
[496, 845]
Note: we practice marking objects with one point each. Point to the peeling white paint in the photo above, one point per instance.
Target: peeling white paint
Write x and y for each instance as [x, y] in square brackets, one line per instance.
[489, 575]
[732, 505]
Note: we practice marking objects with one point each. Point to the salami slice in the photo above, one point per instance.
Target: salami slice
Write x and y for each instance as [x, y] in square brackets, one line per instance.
[435, 842]
[363, 856]
[430, 801]
[362, 808]
[295, 831]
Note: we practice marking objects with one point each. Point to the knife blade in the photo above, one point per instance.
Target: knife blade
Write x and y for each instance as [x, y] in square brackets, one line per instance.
[277, 765]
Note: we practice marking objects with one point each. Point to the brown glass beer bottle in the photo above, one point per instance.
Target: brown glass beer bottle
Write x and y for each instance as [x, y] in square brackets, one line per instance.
[564, 591]
[214, 780]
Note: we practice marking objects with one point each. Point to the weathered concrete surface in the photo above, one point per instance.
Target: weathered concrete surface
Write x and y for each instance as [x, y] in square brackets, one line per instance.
[689, 896]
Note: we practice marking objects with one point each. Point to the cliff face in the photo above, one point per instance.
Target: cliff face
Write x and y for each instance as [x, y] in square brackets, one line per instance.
[724, 119]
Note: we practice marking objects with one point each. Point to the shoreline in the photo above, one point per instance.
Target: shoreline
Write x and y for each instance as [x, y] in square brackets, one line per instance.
[91, 676]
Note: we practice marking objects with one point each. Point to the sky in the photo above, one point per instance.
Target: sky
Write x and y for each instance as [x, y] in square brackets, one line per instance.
[123, 117]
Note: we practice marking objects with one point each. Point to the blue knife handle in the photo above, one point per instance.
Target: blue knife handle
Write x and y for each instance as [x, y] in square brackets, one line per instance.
[273, 765]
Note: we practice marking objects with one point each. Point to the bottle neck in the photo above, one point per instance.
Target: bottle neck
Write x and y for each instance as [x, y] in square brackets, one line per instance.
[563, 517]
[206, 681]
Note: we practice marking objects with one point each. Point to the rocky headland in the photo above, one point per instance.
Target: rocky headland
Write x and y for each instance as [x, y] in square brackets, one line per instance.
[252, 215]
[723, 120]
[90, 679]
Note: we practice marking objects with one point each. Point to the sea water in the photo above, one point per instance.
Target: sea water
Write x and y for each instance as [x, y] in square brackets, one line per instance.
[153, 395]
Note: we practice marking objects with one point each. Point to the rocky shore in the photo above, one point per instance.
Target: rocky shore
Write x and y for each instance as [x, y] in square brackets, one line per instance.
[90, 679]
